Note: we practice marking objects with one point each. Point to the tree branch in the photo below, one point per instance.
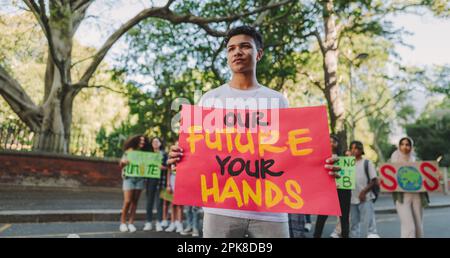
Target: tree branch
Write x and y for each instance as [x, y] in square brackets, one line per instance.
[166, 14]
[78, 87]
[313, 81]
[320, 41]
[19, 101]
[169, 3]
[382, 105]
[213, 66]
[79, 11]
[80, 4]
[98, 57]
[39, 13]
[235, 17]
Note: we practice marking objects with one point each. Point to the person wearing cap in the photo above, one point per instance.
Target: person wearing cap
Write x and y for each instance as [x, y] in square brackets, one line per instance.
[362, 213]
[409, 205]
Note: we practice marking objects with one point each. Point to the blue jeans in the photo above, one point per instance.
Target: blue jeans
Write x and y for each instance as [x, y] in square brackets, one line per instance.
[362, 219]
[297, 225]
[153, 199]
[192, 218]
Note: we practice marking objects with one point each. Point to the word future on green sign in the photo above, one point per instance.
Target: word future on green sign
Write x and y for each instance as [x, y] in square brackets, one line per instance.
[347, 173]
[143, 164]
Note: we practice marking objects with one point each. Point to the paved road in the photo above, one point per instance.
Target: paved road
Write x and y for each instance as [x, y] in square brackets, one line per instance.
[436, 224]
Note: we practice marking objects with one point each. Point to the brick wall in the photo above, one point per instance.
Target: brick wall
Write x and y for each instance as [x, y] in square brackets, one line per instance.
[43, 169]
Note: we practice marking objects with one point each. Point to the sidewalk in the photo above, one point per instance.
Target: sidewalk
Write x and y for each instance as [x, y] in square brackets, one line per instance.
[20, 204]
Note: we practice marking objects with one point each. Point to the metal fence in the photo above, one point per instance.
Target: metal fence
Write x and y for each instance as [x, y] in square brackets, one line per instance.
[20, 138]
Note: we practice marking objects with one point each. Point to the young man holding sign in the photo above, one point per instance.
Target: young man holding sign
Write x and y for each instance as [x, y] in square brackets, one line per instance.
[244, 49]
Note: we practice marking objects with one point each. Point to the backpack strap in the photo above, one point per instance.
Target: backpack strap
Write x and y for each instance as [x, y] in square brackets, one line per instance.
[366, 170]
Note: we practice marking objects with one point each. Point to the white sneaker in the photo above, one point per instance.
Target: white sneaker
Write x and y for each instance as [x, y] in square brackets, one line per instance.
[186, 231]
[131, 228]
[158, 227]
[165, 223]
[373, 236]
[335, 235]
[148, 226]
[179, 226]
[123, 228]
[195, 233]
[171, 228]
[308, 227]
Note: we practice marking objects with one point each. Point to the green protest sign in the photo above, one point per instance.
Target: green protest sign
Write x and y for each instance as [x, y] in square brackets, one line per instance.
[143, 164]
[347, 173]
[165, 195]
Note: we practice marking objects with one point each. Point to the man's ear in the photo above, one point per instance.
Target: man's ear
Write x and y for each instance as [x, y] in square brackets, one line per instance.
[260, 54]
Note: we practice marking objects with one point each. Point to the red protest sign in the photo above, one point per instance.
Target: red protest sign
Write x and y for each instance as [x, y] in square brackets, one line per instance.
[266, 160]
[410, 177]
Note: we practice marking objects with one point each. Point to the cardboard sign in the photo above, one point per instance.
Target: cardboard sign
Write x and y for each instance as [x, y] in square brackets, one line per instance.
[259, 160]
[347, 174]
[165, 195]
[143, 164]
[410, 177]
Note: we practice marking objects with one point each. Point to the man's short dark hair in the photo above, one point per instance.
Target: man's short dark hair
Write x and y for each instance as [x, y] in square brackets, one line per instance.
[358, 145]
[247, 30]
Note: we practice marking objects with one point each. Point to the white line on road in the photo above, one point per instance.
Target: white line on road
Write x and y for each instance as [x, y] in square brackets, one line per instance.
[66, 234]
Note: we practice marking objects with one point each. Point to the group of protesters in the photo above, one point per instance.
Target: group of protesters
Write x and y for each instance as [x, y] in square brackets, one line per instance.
[357, 205]
[158, 192]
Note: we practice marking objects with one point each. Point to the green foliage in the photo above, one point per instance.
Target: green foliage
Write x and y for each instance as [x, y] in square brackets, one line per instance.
[431, 133]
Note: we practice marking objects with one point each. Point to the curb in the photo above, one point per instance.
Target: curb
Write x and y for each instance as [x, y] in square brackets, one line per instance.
[85, 189]
[392, 210]
[42, 216]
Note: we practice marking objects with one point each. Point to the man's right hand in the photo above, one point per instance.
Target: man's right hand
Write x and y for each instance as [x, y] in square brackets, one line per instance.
[175, 154]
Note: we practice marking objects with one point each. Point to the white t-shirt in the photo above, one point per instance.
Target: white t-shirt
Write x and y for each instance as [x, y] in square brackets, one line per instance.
[252, 99]
[361, 181]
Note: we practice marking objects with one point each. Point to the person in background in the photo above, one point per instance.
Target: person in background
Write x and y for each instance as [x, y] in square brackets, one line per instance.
[362, 210]
[409, 205]
[337, 230]
[153, 189]
[132, 186]
[344, 201]
[297, 225]
[192, 221]
[176, 223]
[308, 224]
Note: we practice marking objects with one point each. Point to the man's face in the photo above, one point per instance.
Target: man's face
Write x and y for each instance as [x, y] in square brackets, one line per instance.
[242, 54]
[355, 151]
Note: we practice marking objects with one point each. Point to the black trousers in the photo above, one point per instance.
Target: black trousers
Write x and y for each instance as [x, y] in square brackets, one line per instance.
[344, 202]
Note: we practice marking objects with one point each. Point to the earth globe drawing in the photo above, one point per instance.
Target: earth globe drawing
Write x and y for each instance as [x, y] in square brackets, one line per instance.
[409, 178]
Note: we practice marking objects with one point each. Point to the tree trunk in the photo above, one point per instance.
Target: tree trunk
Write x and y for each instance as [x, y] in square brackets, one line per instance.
[54, 133]
[330, 64]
